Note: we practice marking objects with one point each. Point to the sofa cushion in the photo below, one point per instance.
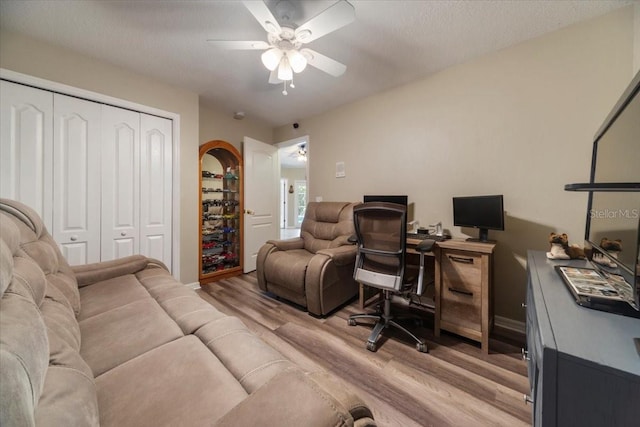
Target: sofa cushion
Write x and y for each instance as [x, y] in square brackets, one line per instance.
[307, 405]
[109, 294]
[36, 243]
[68, 399]
[113, 337]
[249, 359]
[181, 380]
[24, 357]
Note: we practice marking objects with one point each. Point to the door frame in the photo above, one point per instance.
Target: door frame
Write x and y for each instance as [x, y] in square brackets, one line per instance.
[297, 141]
[49, 85]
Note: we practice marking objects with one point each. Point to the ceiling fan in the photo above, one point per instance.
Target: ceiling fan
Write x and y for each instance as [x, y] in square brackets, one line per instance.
[283, 52]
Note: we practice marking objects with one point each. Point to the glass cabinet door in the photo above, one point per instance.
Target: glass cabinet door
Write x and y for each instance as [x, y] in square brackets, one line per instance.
[221, 210]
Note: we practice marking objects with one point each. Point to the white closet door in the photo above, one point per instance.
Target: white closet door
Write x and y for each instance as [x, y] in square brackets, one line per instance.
[156, 187]
[76, 165]
[120, 183]
[26, 147]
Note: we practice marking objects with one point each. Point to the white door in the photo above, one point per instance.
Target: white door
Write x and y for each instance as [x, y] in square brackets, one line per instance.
[261, 188]
[76, 178]
[120, 235]
[156, 192]
[26, 147]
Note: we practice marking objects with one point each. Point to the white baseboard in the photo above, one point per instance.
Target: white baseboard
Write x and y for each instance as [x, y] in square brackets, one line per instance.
[194, 285]
[510, 324]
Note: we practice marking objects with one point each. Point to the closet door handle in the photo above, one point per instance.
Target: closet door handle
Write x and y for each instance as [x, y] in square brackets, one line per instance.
[73, 238]
[462, 260]
[460, 291]
[123, 234]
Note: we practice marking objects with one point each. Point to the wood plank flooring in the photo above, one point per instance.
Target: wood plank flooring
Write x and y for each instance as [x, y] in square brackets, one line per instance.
[455, 384]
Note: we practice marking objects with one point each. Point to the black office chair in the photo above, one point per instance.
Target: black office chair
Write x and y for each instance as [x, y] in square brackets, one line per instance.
[381, 238]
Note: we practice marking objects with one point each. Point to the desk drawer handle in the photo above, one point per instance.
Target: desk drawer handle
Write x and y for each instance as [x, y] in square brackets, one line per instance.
[461, 259]
[460, 291]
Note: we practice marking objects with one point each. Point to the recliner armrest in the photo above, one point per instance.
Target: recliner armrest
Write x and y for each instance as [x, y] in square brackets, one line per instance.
[341, 255]
[288, 244]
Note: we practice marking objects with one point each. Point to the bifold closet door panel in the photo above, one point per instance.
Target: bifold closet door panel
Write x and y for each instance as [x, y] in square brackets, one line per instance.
[76, 178]
[156, 192]
[120, 157]
[26, 147]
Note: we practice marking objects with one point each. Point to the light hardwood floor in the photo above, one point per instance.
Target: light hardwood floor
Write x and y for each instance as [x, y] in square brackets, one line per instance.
[455, 384]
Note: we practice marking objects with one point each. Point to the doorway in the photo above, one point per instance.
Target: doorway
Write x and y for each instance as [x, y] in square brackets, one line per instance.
[294, 156]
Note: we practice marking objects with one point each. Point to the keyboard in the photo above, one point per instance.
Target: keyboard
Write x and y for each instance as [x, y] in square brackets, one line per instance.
[427, 236]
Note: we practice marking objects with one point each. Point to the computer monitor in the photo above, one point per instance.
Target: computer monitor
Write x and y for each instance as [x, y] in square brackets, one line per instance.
[482, 212]
[400, 200]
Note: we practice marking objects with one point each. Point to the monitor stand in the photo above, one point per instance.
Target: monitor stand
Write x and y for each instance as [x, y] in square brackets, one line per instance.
[482, 238]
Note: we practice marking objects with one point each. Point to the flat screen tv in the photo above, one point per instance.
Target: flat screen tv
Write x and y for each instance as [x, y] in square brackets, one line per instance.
[612, 235]
[482, 212]
[400, 200]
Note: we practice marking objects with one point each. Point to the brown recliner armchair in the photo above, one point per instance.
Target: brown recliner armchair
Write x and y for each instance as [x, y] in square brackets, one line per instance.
[314, 270]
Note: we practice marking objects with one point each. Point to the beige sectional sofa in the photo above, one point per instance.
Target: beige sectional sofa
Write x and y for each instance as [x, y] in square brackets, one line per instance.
[122, 343]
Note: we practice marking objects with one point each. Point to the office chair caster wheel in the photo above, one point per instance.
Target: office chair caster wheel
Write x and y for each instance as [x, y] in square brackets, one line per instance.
[422, 347]
[351, 322]
[371, 346]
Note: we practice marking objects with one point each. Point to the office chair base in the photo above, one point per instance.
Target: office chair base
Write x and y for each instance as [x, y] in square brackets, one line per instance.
[383, 322]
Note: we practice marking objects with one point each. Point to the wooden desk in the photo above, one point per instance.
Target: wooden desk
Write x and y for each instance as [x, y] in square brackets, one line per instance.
[463, 287]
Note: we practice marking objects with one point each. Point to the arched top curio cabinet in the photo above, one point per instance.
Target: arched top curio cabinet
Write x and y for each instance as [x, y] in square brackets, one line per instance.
[221, 207]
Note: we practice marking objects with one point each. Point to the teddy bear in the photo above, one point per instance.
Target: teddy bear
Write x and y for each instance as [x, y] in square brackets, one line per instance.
[560, 248]
[613, 248]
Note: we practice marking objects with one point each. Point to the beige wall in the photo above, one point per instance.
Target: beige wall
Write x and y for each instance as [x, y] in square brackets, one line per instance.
[28, 56]
[519, 122]
[218, 123]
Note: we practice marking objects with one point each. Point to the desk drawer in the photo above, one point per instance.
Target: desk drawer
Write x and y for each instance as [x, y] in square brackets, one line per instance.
[461, 291]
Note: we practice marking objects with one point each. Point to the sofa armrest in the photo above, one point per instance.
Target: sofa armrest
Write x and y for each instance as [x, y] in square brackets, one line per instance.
[342, 255]
[290, 399]
[288, 244]
[91, 273]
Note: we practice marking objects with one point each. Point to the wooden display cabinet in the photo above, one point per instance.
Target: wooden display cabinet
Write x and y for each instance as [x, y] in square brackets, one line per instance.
[221, 207]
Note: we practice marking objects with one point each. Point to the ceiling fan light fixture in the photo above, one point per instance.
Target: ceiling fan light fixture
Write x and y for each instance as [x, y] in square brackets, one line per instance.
[297, 60]
[303, 35]
[271, 28]
[284, 69]
[271, 58]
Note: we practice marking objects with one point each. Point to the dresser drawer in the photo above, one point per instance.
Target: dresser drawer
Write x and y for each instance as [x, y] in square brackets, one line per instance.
[461, 289]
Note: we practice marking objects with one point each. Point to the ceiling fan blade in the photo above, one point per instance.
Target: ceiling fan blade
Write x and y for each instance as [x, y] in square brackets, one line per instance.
[273, 77]
[263, 15]
[332, 18]
[324, 63]
[240, 45]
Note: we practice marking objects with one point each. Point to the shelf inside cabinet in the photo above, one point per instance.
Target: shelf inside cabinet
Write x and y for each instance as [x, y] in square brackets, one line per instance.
[221, 211]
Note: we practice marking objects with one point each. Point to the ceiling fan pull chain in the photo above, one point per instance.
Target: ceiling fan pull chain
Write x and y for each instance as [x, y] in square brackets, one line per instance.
[284, 92]
[291, 85]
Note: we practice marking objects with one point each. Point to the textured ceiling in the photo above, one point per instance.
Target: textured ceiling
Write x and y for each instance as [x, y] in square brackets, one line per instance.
[389, 44]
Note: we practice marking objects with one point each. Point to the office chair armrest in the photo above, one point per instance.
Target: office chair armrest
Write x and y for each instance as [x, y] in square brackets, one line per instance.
[342, 255]
[288, 244]
[425, 246]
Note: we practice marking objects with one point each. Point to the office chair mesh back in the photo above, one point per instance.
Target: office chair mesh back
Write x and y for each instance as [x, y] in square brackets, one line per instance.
[381, 233]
